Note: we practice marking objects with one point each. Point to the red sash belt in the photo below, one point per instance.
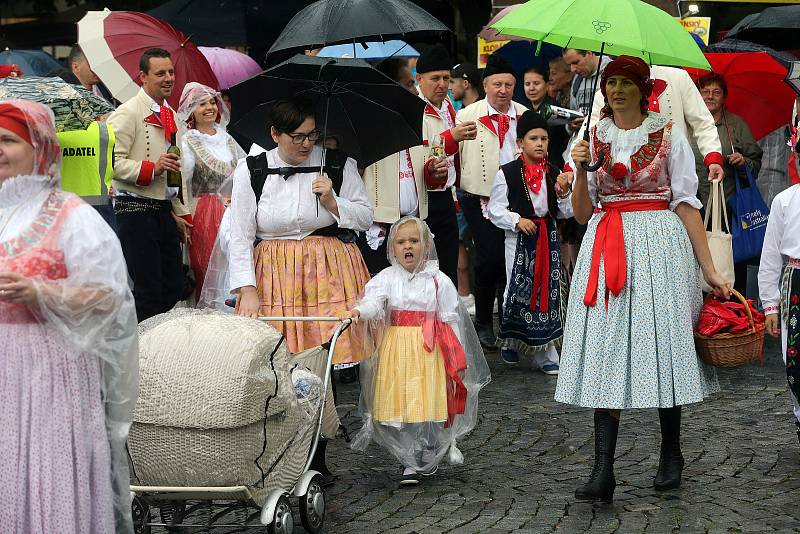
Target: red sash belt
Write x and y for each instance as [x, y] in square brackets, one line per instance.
[541, 268]
[793, 262]
[609, 242]
[435, 331]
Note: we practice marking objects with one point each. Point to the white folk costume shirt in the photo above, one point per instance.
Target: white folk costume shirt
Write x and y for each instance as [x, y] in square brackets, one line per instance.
[507, 220]
[287, 209]
[408, 185]
[449, 120]
[781, 241]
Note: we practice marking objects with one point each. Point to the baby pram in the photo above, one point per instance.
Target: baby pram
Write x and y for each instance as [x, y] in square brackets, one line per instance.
[227, 423]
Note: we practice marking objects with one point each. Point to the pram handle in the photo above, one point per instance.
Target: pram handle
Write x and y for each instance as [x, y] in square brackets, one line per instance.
[303, 319]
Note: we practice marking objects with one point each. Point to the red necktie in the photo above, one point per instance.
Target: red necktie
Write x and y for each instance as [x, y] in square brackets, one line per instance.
[168, 122]
[503, 123]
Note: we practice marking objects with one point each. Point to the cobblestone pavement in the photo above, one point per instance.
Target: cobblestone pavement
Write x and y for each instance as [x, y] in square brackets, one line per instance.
[527, 454]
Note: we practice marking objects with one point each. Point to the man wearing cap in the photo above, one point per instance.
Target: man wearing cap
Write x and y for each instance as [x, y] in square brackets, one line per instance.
[494, 145]
[439, 130]
[465, 84]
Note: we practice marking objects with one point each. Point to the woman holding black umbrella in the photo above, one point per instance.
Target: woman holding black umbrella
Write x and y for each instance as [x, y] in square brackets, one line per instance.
[306, 262]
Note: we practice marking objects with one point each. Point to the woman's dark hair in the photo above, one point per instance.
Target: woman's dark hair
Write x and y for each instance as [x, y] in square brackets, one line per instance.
[144, 61]
[287, 114]
[541, 72]
[713, 77]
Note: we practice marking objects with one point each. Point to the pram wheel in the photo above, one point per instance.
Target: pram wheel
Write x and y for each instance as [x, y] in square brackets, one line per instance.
[282, 521]
[141, 516]
[312, 506]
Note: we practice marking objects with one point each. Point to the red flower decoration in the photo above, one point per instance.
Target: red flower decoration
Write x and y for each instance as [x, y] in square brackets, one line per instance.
[795, 299]
[791, 352]
[619, 171]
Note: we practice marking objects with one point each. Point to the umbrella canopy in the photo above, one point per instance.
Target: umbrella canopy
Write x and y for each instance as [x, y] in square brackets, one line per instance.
[74, 107]
[793, 76]
[229, 66]
[114, 41]
[328, 22]
[775, 27]
[522, 56]
[31, 62]
[490, 34]
[371, 50]
[614, 27]
[737, 45]
[756, 90]
[370, 115]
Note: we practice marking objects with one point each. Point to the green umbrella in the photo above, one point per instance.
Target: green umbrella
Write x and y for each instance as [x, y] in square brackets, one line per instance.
[613, 27]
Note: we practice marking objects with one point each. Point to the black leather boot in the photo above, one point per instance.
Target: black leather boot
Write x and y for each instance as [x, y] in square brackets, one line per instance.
[318, 463]
[601, 482]
[670, 465]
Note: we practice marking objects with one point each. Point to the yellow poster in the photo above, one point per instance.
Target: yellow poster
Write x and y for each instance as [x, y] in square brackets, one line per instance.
[700, 26]
[486, 49]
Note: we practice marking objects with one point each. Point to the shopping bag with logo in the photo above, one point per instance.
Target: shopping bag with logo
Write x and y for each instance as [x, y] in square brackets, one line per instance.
[750, 214]
[719, 239]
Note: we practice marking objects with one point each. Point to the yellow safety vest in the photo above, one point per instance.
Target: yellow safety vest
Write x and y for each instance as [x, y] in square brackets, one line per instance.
[87, 162]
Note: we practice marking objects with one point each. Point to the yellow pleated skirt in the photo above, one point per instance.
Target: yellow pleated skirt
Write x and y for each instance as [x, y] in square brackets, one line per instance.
[410, 383]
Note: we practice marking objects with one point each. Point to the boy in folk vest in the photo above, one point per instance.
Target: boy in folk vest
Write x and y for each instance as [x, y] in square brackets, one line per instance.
[527, 196]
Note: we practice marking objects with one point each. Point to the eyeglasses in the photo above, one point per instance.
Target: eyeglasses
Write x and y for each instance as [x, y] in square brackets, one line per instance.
[711, 92]
[299, 139]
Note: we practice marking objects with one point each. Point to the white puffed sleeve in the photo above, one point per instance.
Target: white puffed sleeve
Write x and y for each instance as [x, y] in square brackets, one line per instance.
[497, 208]
[447, 300]
[376, 293]
[355, 210]
[243, 229]
[682, 172]
[771, 264]
[188, 161]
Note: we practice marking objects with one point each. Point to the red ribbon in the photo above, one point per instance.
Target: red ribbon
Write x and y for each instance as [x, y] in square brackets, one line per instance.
[168, 121]
[534, 174]
[609, 243]
[455, 360]
[541, 268]
[503, 124]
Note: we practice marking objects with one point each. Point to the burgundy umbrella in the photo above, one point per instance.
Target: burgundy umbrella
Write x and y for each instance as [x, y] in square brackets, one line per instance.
[113, 42]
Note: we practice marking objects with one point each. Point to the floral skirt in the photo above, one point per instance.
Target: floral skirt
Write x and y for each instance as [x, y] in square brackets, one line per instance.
[410, 383]
[638, 352]
[312, 277]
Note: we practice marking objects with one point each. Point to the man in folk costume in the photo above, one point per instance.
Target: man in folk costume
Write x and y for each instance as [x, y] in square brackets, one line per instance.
[527, 196]
[439, 130]
[395, 184]
[494, 145]
[151, 219]
[676, 97]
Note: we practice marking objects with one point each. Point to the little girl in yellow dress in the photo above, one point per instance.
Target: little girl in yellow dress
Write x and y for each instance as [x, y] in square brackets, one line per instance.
[419, 392]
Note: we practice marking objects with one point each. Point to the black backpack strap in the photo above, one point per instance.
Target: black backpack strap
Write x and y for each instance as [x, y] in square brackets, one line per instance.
[335, 160]
[258, 173]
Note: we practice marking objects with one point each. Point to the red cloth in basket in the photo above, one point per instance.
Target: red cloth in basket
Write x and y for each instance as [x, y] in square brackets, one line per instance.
[726, 317]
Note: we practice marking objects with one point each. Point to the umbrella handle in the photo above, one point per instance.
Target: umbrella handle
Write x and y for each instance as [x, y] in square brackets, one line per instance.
[591, 167]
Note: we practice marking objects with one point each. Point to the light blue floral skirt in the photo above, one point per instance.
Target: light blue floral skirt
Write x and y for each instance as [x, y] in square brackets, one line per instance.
[638, 353]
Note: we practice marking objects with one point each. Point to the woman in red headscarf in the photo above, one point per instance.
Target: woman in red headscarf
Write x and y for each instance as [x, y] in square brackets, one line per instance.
[635, 294]
[68, 364]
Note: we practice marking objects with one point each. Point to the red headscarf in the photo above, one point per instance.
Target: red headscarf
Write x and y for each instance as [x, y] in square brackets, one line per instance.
[12, 118]
[632, 68]
[35, 124]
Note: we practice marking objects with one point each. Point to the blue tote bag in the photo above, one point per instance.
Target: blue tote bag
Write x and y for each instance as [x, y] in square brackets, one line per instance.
[750, 214]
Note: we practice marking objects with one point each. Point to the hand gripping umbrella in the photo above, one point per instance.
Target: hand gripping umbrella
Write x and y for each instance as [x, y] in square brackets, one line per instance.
[370, 115]
[328, 22]
[613, 27]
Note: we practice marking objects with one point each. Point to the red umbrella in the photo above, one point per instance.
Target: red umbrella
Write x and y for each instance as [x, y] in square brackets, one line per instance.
[756, 90]
[113, 42]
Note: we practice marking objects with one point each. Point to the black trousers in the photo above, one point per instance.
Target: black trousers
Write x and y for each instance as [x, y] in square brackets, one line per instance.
[490, 268]
[152, 248]
[376, 260]
[442, 222]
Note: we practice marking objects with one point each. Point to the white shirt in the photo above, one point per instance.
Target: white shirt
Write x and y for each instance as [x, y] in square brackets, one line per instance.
[409, 203]
[394, 288]
[444, 113]
[508, 151]
[507, 220]
[781, 241]
[287, 209]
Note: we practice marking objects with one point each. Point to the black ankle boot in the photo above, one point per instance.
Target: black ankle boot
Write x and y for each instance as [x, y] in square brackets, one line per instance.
[670, 465]
[601, 482]
[318, 463]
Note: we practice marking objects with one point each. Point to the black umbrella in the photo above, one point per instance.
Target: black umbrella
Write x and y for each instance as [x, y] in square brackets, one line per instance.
[253, 23]
[328, 22]
[737, 45]
[368, 113]
[775, 27]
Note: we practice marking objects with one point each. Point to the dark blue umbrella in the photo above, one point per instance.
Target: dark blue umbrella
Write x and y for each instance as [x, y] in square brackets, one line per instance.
[522, 56]
[31, 62]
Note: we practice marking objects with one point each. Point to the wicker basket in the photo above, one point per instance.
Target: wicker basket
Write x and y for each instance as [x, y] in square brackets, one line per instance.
[732, 350]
